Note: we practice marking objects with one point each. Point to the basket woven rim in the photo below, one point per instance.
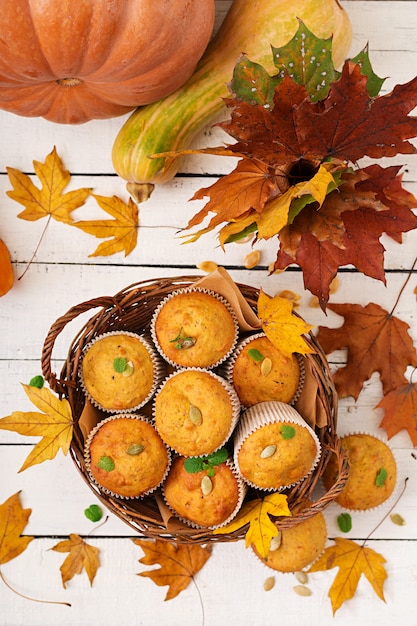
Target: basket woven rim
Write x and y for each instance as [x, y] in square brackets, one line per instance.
[131, 309]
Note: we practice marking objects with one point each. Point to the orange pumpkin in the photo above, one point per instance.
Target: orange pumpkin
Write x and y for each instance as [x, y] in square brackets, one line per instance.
[71, 61]
[6, 269]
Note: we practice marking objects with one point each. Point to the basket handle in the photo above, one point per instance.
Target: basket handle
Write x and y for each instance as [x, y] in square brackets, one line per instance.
[59, 325]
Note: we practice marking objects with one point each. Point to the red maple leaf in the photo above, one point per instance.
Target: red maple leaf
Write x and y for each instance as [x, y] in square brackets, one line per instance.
[376, 341]
[400, 406]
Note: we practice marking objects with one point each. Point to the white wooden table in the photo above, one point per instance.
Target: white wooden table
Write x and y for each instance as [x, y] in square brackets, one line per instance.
[62, 274]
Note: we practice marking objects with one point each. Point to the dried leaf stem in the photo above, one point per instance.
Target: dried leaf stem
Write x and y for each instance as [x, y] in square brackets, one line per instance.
[22, 595]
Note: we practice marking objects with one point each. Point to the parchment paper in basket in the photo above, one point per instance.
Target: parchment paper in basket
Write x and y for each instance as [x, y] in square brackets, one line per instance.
[221, 282]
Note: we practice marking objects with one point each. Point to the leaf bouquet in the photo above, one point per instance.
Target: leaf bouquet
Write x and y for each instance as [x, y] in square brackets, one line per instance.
[299, 136]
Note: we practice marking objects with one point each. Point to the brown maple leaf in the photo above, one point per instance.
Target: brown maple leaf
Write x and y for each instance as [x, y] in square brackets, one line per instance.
[121, 232]
[54, 424]
[13, 520]
[179, 563]
[353, 561]
[81, 557]
[376, 341]
[400, 406]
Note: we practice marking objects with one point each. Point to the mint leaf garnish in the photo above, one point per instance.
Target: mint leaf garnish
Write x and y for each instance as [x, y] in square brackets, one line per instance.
[37, 381]
[287, 432]
[255, 355]
[344, 521]
[381, 477]
[195, 464]
[93, 513]
[120, 364]
[106, 463]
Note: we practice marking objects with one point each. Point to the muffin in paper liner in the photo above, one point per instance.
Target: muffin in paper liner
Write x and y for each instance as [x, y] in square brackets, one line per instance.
[373, 472]
[125, 457]
[183, 495]
[299, 546]
[274, 447]
[281, 380]
[195, 411]
[115, 391]
[194, 327]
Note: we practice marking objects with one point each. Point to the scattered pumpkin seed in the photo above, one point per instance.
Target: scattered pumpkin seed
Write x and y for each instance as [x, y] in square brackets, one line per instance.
[301, 577]
[398, 519]
[195, 415]
[207, 266]
[135, 449]
[275, 542]
[206, 485]
[268, 451]
[269, 583]
[252, 259]
[301, 590]
[128, 371]
[266, 366]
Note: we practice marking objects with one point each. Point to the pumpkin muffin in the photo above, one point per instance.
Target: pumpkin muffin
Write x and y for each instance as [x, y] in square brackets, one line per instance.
[120, 371]
[260, 372]
[203, 500]
[299, 545]
[195, 411]
[126, 457]
[274, 447]
[372, 472]
[194, 328]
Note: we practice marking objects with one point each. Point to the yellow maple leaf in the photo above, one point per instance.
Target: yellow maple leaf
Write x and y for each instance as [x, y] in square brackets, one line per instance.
[281, 326]
[54, 425]
[275, 212]
[49, 199]
[257, 513]
[353, 560]
[81, 556]
[13, 520]
[121, 232]
[179, 563]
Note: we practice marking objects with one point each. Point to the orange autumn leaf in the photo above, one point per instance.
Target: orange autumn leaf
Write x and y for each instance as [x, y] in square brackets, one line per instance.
[13, 520]
[400, 406]
[376, 341]
[6, 269]
[121, 232]
[81, 557]
[50, 198]
[179, 563]
[257, 514]
[281, 326]
[54, 424]
[352, 560]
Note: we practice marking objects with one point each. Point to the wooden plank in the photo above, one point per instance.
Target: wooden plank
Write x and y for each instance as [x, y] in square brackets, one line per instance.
[119, 594]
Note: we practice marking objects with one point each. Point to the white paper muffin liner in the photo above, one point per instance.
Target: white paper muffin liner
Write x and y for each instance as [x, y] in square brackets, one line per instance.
[228, 366]
[242, 490]
[234, 399]
[158, 367]
[400, 477]
[265, 413]
[191, 290]
[87, 458]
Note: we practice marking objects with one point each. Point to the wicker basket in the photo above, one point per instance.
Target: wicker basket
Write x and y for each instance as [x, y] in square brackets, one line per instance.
[132, 309]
